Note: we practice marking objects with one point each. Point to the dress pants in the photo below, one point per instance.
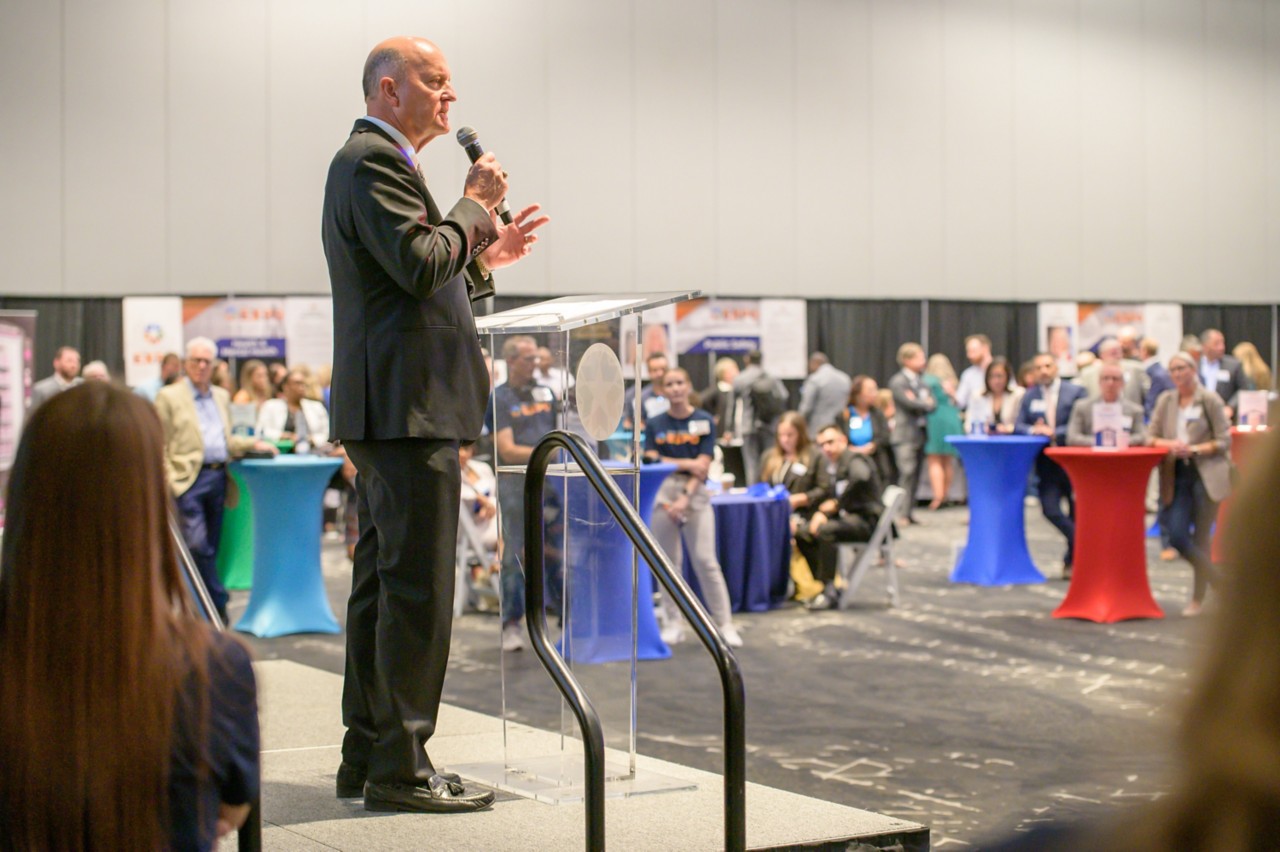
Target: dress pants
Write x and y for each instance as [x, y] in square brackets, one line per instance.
[849, 528]
[1054, 487]
[1190, 518]
[400, 612]
[200, 507]
[910, 458]
[699, 534]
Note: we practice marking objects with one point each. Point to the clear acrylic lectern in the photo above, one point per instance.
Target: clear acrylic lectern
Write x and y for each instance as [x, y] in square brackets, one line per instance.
[599, 594]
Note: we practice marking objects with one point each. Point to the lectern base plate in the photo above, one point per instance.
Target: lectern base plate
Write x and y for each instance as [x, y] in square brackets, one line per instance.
[558, 779]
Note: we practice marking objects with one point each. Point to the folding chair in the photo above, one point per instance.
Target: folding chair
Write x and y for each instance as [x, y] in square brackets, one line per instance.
[856, 556]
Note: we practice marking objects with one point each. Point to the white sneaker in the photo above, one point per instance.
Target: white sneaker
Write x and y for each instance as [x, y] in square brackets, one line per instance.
[731, 636]
[512, 636]
[672, 634]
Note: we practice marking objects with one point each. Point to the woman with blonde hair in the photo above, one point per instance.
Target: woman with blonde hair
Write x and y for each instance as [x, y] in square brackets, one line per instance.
[1254, 367]
[940, 378]
[255, 384]
[128, 723]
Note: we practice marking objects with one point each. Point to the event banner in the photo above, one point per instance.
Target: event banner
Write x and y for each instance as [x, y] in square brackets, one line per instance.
[17, 351]
[152, 327]
[308, 323]
[777, 327]
[250, 327]
[1068, 328]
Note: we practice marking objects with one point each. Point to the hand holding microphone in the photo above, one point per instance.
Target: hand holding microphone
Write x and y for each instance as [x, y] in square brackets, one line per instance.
[486, 184]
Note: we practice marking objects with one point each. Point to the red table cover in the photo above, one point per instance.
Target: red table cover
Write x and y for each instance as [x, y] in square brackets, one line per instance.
[1109, 580]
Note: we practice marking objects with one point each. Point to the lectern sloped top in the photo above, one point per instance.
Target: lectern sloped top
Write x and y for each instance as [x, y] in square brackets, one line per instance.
[570, 312]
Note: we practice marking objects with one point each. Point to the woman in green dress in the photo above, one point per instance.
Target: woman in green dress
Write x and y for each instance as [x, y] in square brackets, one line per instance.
[940, 377]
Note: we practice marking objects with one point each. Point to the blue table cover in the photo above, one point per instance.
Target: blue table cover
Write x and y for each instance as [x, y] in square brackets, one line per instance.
[996, 468]
[599, 622]
[288, 588]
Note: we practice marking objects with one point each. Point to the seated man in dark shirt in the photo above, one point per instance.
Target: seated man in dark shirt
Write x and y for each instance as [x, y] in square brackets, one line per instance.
[849, 512]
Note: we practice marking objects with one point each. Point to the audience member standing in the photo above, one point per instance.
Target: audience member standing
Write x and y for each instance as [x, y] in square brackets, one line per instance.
[1046, 410]
[255, 384]
[977, 348]
[294, 417]
[944, 420]
[1080, 426]
[170, 372]
[1004, 396]
[913, 402]
[866, 428]
[718, 399]
[652, 401]
[682, 514]
[66, 374]
[1255, 369]
[197, 446]
[1135, 379]
[95, 371]
[824, 393]
[1158, 379]
[761, 399]
[128, 724]
[1191, 422]
[1219, 372]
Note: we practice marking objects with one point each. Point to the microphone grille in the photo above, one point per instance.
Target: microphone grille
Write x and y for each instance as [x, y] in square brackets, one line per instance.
[466, 136]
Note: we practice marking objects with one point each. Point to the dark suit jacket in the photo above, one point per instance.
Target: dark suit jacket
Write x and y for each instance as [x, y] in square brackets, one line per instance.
[908, 422]
[406, 357]
[809, 477]
[1161, 381]
[861, 490]
[1068, 394]
[1232, 382]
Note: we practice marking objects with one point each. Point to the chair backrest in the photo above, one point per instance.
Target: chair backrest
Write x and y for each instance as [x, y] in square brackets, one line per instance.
[894, 500]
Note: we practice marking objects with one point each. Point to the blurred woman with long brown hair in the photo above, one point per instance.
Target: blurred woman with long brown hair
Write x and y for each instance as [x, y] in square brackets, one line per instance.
[127, 722]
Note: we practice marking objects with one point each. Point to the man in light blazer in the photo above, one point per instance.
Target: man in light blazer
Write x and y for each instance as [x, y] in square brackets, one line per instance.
[198, 443]
[1046, 410]
[1080, 427]
[409, 384]
[913, 402]
[824, 394]
[66, 374]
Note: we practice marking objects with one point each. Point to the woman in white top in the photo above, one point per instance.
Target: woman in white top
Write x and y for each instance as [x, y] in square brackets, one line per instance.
[1003, 399]
[294, 417]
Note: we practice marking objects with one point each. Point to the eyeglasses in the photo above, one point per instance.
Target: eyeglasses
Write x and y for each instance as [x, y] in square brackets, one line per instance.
[200, 361]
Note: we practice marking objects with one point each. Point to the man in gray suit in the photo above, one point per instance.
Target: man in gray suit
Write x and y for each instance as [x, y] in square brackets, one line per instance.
[1080, 426]
[824, 394]
[66, 374]
[409, 384]
[1136, 380]
[912, 402]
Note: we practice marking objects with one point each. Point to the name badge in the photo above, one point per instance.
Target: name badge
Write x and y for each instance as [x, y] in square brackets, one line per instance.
[1127, 422]
[1038, 406]
[799, 469]
[1224, 375]
[855, 423]
[699, 427]
[841, 485]
[541, 394]
[1193, 413]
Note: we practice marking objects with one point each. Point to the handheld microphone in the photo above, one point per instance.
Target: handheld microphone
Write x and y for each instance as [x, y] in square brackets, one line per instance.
[470, 142]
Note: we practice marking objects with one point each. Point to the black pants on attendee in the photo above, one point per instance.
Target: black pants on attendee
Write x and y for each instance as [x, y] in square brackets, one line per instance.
[200, 507]
[400, 612]
[1054, 487]
[1190, 518]
[848, 528]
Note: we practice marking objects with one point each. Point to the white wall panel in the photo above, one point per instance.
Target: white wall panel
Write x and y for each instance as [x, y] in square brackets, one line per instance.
[675, 133]
[114, 79]
[1236, 203]
[1047, 177]
[217, 154]
[755, 151]
[906, 148]
[31, 158]
[833, 208]
[1174, 182]
[1113, 228]
[590, 244]
[315, 53]
[978, 154]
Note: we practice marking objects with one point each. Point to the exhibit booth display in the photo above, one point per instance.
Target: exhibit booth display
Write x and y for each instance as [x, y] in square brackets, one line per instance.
[598, 593]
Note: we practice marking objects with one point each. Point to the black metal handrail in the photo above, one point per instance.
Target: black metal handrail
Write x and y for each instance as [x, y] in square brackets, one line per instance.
[250, 835]
[735, 759]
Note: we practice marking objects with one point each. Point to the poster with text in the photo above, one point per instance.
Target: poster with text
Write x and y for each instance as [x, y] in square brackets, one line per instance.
[308, 323]
[722, 326]
[784, 337]
[1058, 325]
[252, 327]
[1162, 321]
[152, 328]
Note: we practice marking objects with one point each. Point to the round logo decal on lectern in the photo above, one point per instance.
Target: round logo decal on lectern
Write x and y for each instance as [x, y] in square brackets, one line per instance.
[600, 391]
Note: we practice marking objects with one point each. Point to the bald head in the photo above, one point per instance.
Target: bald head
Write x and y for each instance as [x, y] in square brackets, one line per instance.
[407, 84]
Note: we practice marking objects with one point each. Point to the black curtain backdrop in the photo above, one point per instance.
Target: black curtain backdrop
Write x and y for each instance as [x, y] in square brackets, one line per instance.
[858, 336]
[93, 326]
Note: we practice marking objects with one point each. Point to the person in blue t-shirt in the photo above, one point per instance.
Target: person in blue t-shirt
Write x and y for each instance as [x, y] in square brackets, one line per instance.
[525, 411]
[686, 437]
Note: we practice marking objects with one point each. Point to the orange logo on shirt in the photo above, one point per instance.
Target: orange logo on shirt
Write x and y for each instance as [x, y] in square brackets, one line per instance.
[678, 439]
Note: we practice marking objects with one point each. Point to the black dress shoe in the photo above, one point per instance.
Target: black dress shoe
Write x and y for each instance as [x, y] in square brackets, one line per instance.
[351, 780]
[437, 796]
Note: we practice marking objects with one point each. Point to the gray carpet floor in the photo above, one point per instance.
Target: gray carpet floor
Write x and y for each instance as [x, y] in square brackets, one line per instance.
[968, 709]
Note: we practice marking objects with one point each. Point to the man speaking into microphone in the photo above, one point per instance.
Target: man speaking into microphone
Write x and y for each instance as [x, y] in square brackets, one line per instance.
[409, 384]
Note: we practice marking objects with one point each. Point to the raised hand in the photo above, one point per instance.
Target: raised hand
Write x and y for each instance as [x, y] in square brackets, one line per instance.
[515, 240]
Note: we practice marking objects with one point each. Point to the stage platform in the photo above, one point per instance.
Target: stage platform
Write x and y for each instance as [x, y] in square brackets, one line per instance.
[301, 733]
